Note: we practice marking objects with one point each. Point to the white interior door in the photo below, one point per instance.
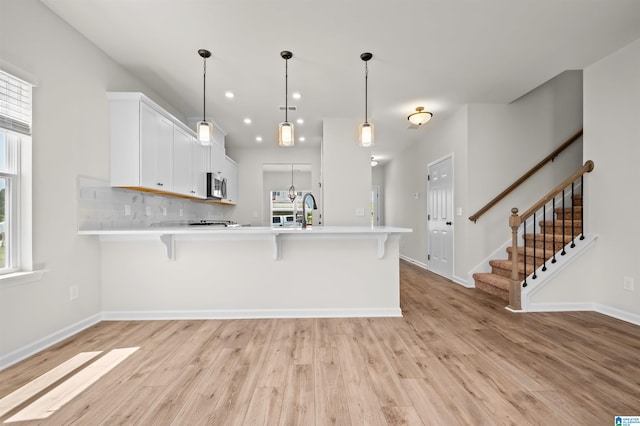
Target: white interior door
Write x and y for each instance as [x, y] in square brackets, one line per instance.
[440, 217]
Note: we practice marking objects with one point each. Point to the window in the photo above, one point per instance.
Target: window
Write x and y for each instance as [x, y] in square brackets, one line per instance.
[15, 140]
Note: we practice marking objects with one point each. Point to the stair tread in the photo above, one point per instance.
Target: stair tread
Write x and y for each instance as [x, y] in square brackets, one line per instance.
[549, 237]
[539, 253]
[495, 280]
[506, 264]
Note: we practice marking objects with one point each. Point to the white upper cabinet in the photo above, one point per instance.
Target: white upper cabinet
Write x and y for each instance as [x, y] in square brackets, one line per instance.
[217, 156]
[231, 173]
[151, 149]
[199, 166]
[182, 146]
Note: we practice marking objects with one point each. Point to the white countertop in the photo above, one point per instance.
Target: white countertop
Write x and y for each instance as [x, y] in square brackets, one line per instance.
[168, 235]
[248, 230]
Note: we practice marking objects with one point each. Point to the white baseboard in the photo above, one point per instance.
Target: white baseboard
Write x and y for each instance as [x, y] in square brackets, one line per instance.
[251, 314]
[617, 313]
[47, 341]
[455, 279]
[585, 306]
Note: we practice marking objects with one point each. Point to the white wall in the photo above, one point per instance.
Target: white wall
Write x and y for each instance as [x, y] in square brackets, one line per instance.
[612, 135]
[346, 174]
[407, 175]
[492, 145]
[70, 138]
[251, 197]
[505, 141]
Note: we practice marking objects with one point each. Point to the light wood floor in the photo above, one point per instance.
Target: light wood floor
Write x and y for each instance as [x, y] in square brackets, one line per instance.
[456, 357]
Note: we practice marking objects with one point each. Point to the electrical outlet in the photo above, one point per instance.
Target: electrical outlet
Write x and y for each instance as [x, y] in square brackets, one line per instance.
[73, 292]
[148, 211]
[164, 211]
[181, 212]
[360, 211]
[628, 283]
[459, 211]
[127, 210]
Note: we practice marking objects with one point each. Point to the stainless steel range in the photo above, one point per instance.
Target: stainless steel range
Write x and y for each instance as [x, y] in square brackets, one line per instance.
[225, 223]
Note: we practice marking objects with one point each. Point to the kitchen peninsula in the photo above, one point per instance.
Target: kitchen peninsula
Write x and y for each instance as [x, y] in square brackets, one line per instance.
[250, 272]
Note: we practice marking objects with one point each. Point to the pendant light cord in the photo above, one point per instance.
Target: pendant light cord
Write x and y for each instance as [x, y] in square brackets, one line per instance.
[286, 93]
[204, 91]
[366, 90]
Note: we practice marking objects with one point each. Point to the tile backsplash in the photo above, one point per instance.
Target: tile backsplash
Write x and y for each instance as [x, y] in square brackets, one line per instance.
[102, 207]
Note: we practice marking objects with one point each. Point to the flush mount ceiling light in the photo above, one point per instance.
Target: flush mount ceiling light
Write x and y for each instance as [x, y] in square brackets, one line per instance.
[366, 128]
[420, 117]
[285, 130]
[204, 128]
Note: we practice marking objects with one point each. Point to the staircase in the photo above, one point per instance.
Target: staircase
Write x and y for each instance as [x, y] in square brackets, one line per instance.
[539, 249]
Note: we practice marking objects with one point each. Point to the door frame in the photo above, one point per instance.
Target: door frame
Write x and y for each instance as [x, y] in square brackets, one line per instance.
[453, 186]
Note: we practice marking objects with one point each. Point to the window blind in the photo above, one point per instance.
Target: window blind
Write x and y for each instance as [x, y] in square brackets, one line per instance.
[15, 104]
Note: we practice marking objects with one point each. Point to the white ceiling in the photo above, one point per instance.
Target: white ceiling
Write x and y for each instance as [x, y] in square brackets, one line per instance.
[434, 53]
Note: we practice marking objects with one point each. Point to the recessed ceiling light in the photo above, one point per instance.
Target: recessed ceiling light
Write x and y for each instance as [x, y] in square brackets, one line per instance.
[229, 94]
[296, 95]
[302, 139]
[300, 121]
[247, 120]
[258, 139]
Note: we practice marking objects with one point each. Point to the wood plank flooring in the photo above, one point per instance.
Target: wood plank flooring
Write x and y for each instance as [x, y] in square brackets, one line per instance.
[457, 357]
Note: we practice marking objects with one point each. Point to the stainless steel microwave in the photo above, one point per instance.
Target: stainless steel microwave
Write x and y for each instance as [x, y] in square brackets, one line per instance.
[216, 186]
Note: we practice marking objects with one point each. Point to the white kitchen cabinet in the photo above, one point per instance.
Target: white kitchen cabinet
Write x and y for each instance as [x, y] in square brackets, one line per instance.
[231, 173]
[199, 166]
[182, 176]
[141, 143]
[217, 156]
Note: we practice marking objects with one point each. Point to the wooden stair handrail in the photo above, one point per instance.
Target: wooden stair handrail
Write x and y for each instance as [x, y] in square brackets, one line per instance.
[474, 217]
[515, 220]
[587, 168]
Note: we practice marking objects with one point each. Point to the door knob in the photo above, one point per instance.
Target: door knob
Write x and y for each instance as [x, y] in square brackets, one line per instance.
[448, 223]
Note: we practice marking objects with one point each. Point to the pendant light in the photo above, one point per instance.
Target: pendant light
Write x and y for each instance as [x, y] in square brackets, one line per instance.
[285, 130]
[204, 128]
[419, 117]
[366, 128]
[292, 189]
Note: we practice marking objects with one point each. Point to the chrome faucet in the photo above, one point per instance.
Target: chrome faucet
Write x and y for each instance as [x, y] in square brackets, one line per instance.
[304, 207]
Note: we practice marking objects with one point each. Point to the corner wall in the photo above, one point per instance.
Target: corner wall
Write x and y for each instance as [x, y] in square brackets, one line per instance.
[612, 141]
[492, 146]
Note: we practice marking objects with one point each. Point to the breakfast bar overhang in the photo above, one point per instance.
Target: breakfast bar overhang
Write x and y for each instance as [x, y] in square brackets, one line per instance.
[250, 272]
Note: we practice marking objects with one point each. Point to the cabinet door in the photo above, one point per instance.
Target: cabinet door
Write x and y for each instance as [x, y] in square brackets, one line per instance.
[217, 157]
[199, 165]
[182, 143]
[156, 150]
[231, 173]
[165, 153]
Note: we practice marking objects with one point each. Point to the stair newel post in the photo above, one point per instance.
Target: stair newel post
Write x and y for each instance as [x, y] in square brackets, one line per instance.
[514, 287]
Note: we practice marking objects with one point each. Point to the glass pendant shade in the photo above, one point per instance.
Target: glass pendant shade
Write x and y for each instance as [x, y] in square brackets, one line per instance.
[285, 134]
[366, 134]
[205, 132]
